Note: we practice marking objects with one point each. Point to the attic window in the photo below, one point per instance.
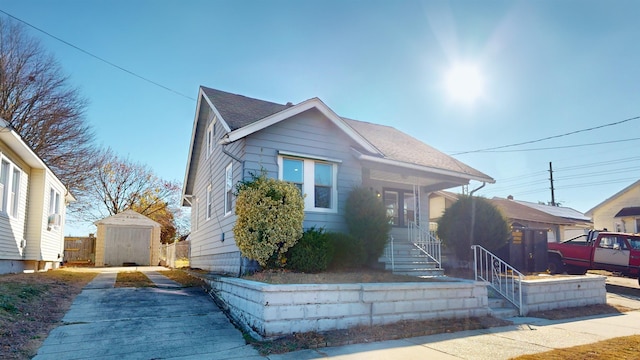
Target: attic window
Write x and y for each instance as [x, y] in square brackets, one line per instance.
[210, 135]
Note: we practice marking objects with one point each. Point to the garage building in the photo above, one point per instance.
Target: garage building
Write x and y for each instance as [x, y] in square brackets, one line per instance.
[127, 238]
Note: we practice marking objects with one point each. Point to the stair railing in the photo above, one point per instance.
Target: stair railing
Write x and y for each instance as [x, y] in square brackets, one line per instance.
[502, 277]
[427, 242]
[388, 252]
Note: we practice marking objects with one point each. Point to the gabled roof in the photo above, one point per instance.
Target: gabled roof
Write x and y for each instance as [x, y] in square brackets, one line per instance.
[238, 111]
[614, 196]
[242, 116]
[127, 218]
[514, 210]
[559, 211]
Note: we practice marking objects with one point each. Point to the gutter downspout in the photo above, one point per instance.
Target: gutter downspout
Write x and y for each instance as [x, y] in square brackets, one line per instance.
[473, 214]
[234, 158]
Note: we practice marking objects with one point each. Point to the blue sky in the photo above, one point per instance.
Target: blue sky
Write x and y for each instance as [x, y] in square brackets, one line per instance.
[548, 68]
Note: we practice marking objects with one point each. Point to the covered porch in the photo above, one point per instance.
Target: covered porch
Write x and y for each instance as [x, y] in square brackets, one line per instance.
[413, 247]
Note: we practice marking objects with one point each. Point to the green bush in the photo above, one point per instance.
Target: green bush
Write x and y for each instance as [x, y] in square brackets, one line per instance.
[348, 253]
[269, 213]
[312, 253]
[367, 220]
[490, 229]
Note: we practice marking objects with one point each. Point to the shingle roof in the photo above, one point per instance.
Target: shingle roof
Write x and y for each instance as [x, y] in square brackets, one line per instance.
[398, 146]
[238, 110]
[560, 211]
[516, 211]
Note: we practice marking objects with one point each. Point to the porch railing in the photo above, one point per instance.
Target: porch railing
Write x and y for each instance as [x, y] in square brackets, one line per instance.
[502, 277]
[427, 242]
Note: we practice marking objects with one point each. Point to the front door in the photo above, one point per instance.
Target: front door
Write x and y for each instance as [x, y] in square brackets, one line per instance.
[401, 206]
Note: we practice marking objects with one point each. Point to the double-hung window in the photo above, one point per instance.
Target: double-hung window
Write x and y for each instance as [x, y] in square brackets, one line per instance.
[314, 177]
[210, 139]
[4, 185]
[228, 189]
[9, 188]
[209, 201]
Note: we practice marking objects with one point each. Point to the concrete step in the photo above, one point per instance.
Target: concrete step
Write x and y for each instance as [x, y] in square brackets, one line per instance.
[503, 313]
[421, 272]
[408, 265]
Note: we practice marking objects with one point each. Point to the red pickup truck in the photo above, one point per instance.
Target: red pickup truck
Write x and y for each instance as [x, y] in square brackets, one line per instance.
[598, 250]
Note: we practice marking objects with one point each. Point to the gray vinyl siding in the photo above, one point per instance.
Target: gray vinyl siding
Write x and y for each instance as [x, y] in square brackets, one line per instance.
[309, 133]
[207, 246]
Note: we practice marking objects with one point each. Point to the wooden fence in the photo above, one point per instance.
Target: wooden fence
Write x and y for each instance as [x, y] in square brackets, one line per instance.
[80, 250]
[175, 255]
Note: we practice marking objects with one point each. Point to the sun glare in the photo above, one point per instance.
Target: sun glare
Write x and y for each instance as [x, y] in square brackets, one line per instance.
[464, 83]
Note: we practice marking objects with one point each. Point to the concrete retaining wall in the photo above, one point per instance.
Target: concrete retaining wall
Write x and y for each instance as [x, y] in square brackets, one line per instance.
[268, 311]
[563, 292]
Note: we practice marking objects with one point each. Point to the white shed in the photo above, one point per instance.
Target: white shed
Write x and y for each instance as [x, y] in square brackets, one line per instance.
[127, 238]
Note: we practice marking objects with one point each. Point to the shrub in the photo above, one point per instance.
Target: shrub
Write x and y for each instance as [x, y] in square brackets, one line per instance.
[270, 215]
[367, 220]
[349, 251]
[312, 253]
[490, 229]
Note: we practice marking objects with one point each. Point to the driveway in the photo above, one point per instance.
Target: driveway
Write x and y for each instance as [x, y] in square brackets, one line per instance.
[165, 322]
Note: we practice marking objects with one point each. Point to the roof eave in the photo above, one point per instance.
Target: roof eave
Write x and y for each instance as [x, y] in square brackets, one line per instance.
[363, 157]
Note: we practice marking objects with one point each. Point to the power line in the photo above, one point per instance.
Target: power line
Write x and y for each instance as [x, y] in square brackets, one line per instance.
[549, 137]
[560, 147]
[98, 57]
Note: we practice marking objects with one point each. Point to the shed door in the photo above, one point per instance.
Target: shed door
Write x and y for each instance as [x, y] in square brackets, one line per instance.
[127, 245]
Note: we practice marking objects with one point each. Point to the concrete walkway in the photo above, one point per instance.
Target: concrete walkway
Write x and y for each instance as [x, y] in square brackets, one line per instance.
[166, 322]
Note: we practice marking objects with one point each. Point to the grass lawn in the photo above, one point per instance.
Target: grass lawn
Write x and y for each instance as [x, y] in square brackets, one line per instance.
[31, 305]
[132, 279]
[622, 348]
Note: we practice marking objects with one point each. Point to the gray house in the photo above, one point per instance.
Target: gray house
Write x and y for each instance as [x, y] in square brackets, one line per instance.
[324, 154]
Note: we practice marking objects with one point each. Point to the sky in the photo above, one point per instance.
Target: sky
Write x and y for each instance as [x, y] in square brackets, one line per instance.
[541, 68]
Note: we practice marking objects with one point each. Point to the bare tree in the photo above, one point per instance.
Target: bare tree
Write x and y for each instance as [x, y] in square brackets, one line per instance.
[119, 184]
[37, 100]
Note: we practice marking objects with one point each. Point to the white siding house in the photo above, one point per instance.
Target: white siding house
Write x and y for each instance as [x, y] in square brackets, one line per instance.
[33, 204]
[620, 212]
[308, 144]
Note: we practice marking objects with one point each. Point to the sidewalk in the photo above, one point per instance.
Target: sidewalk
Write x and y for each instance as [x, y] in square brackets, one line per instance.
[526, 336]
[165, 322]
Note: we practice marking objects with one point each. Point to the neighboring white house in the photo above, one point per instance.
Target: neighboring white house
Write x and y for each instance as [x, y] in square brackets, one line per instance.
[310, 145]
[620, 212]
[33, 204]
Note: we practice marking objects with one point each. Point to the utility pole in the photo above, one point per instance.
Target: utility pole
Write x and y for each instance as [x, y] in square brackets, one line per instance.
[553, 197]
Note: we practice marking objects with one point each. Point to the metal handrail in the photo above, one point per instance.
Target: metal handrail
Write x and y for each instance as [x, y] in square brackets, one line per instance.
[427, 242]
[502, 277]
[388, 252]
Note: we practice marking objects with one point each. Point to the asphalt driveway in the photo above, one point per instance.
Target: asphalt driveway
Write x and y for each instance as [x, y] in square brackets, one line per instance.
[165, 322]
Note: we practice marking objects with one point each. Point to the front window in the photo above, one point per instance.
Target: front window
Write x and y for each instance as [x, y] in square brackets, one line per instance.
[293, 172]
[323, 185]
[315, 178]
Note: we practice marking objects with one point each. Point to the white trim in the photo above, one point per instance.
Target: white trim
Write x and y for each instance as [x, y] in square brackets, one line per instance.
[295, 110]
[215, 111]
[306, 156]
[384, 161]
